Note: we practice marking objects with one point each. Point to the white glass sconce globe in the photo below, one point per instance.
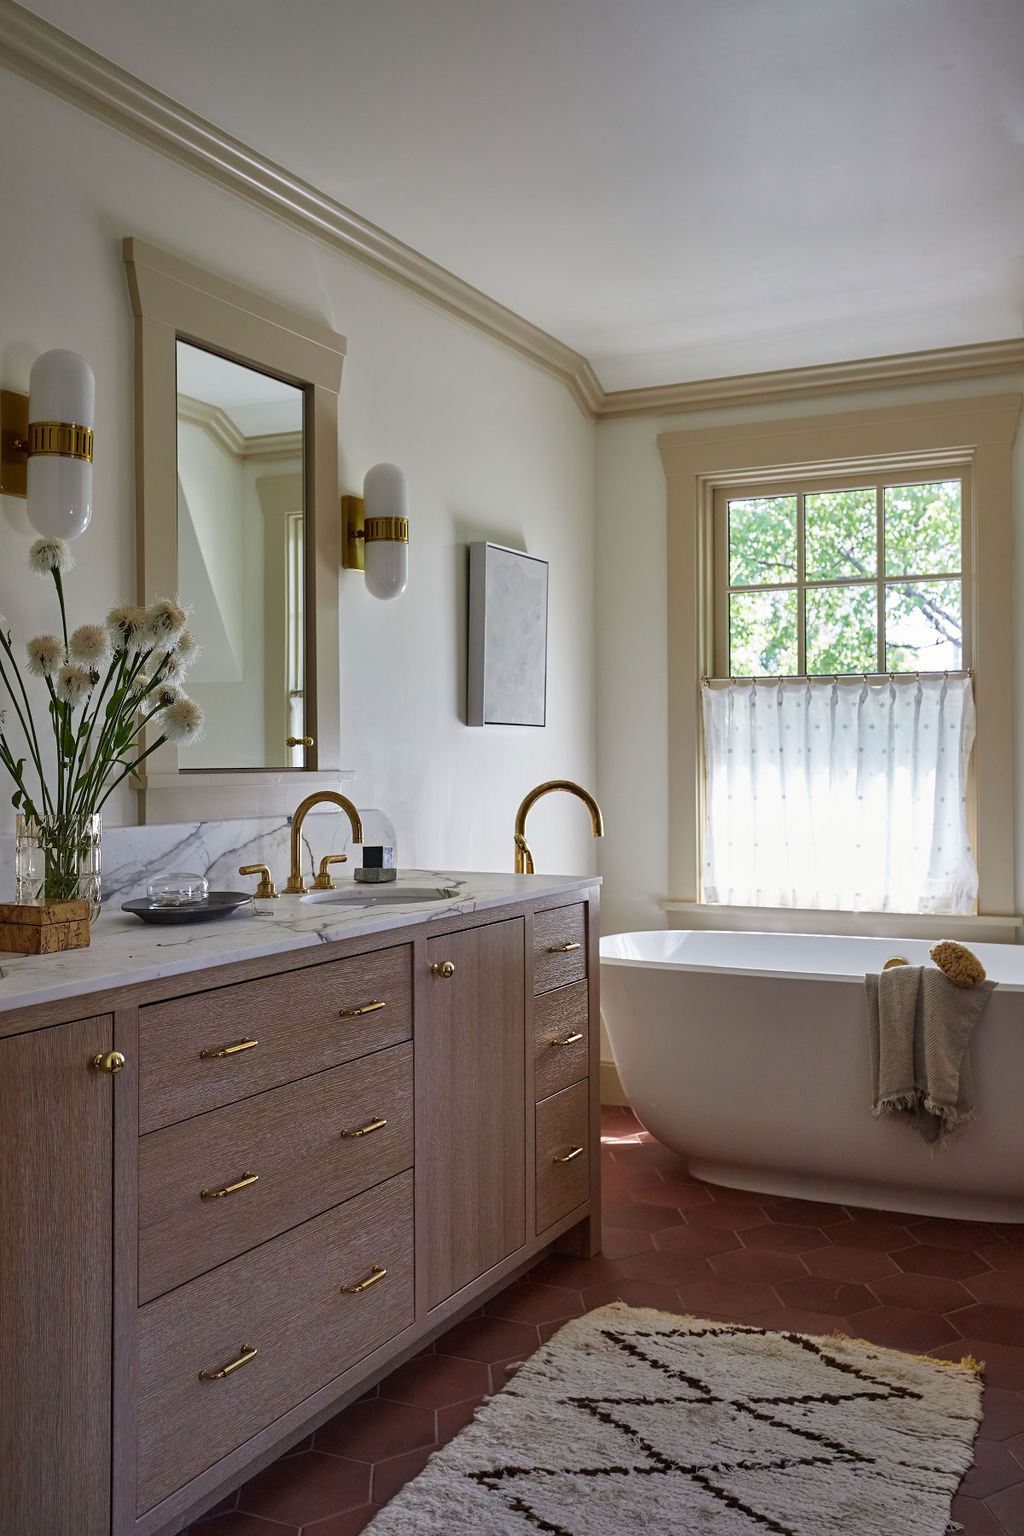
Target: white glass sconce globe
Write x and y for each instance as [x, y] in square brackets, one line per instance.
[61, 406]
[386, 532]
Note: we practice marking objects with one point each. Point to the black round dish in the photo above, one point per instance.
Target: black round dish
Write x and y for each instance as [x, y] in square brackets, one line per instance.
[217, 904]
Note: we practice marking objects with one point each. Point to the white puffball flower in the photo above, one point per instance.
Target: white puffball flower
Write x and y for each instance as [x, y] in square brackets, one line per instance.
[125, 624]
[73, 684]
[48, 555]
[165, 666]
[164, 695]
[183, 721]
[164, 622]
[186, 647]
[45, 655]
[90, 644]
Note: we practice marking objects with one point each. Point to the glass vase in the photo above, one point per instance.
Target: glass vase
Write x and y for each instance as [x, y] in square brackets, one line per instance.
[58, 859]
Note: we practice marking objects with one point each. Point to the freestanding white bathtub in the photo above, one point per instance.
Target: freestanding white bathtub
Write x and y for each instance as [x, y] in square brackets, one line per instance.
[747, 1054]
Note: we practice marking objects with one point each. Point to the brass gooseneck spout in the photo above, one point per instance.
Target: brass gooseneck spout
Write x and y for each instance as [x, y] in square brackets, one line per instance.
[296, 885]
[524, 858]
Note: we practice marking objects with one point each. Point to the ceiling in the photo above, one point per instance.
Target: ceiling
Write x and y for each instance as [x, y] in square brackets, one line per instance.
[677, 189]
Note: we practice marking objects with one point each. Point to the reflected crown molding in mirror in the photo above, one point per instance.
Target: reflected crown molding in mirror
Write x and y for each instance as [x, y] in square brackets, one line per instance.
[173, 301]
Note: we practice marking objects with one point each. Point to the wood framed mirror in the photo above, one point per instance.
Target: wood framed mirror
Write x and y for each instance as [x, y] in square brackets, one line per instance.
[236, 467]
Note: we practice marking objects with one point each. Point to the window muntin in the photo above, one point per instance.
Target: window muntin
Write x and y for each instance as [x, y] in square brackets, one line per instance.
[841, 578]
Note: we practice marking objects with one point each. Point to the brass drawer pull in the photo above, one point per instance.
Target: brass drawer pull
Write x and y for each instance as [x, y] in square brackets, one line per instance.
[356, 1013]
[228, 1050]
[576, 1152]
[248, 1353]
[562, 949]
[364, 1130]
[229, 1189]
[569, 1039]
[108, 1061]
[377, 1273]
[443, 968]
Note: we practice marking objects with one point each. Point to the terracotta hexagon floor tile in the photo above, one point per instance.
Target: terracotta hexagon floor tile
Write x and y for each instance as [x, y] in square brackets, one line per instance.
[885, 1236]
[636, 1293]
[903, 1328]
[573, 1274]
[994, 1468]
[389, 1476]
[862, 1264]
[1004, 1415]
[999, 1325]
[732, 1216]
[940, 1233]
[795, 1320]
[371, 1431]
[666, 1268]
[526, 1303]
[649, 1218]
[1008, 1507]
[1007, 1258]
[298, 1489]
[237, 1524]
[976, 1518]
[928, 1293]
[785, 1239]
[1004, 1365]
[348, 1524]
[697, 1240]
[623, 1242]
[489, 1338]
[436, 1382]
[760, 1265]
[956, 1263]
[670, 1192]
[726, 1298]
[997, 1286]
[804, 1213]
[451, 1420]
[819, 1293]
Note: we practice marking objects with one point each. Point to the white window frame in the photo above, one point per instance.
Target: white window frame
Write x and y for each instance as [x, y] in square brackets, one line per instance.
[972, 437]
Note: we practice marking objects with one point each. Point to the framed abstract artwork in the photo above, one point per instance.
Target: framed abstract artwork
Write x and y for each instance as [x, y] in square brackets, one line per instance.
[508, 637]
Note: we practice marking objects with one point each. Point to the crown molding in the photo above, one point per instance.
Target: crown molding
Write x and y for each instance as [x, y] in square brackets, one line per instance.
[60, 64]
[221, 429]
[895, 371]
[68, 69]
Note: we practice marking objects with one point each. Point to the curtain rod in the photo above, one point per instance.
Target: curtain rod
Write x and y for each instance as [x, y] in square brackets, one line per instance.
[835, 677]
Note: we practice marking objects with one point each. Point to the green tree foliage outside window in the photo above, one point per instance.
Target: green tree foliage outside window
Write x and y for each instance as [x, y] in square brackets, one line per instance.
[870, 575]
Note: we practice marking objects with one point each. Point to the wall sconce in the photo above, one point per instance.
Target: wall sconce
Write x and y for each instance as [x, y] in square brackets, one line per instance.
[46, 444]
[376, 532]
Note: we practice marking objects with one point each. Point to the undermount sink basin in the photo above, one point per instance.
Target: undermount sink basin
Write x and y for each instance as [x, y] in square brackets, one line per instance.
[382, 895]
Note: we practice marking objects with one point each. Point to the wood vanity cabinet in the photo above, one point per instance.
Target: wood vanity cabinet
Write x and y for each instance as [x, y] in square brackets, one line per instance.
[311, 1164]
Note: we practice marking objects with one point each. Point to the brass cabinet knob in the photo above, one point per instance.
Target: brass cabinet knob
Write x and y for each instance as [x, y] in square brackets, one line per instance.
[298, 741]
[108, 1061]
[445, 968]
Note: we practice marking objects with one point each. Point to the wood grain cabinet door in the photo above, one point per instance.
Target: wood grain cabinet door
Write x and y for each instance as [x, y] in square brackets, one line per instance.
[56, 1139]
[470, 1155]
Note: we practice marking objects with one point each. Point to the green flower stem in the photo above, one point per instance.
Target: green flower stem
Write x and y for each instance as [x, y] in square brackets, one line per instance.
[60, 598]
[97, 703]
[130, 769]
[27, 719]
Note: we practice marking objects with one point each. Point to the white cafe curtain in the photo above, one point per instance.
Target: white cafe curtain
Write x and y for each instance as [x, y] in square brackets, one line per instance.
[844, 795]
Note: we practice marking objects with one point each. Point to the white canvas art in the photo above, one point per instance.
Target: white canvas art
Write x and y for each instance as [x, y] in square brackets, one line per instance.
[508, 637]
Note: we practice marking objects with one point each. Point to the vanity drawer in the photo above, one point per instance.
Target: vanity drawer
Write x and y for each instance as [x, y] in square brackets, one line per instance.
[563, 1124]
[559, 947]
[292, 1140]
[189, 1056]
[285, 1301]
[558, 1059]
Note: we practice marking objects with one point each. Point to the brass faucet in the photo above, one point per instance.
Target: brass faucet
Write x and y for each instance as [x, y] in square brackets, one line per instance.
[296, 886]
[524, 858]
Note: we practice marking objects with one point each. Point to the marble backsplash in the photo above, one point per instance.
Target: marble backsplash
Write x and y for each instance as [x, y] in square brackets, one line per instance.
[132, 856]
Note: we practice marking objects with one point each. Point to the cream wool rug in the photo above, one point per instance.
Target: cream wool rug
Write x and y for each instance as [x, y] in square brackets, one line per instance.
[632, 1420]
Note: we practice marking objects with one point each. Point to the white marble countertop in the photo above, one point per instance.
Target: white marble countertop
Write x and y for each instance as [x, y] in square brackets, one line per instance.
[125, 951]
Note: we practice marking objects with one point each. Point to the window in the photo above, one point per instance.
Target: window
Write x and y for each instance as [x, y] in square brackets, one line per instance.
[938, 442]
[840, 578]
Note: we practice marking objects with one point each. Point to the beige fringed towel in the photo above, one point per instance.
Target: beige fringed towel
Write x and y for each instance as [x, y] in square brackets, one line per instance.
[919, 1027]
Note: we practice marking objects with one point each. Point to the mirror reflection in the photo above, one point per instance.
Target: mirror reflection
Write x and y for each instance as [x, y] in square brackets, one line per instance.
[241, 560]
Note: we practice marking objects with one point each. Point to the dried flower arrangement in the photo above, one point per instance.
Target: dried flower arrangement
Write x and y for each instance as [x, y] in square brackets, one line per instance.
[106, 684]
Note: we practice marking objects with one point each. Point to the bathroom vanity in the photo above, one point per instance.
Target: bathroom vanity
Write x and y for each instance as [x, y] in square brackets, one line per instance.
[337, 1128]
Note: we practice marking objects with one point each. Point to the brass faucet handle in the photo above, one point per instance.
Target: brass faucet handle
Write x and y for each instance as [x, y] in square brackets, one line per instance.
[266, 887]
[323, 881]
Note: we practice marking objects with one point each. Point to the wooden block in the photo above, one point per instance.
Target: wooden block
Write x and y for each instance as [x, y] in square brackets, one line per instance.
[44, 930]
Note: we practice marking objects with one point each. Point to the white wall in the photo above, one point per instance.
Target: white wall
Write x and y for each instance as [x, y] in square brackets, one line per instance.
[632, 638]
[491, 446]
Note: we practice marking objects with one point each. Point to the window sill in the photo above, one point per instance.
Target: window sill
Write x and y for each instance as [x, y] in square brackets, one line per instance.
[906, 925]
